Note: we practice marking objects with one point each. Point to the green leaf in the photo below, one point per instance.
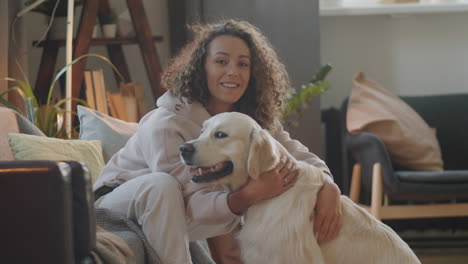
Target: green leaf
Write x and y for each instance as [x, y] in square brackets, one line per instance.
[8, 104]
[24, 90]
[299, 99]
[322, 73]
[30, 110]
[25, 77]
[15, 88]
[47, 117]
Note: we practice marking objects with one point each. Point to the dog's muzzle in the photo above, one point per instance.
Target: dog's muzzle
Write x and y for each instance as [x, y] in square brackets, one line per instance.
[187, 152]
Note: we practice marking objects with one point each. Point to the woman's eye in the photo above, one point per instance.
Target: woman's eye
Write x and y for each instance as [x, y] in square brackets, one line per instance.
[220, 134]
[221, 62]
[243, 64]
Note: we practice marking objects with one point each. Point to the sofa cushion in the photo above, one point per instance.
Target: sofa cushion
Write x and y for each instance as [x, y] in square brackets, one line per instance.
[411, 143]
[9, 125]
[113, 133]
[440, 177]
[30, 147]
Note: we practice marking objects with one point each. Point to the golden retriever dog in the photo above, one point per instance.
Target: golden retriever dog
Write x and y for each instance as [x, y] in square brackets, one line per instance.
[233, 147]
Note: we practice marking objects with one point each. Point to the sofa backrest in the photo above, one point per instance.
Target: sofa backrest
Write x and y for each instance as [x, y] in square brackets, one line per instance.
[448, 114]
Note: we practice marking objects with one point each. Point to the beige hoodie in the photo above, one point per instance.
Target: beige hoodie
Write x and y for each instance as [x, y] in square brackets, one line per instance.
[155, 148]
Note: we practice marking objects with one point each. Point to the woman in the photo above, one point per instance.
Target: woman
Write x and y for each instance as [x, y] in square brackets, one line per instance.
[229, 66]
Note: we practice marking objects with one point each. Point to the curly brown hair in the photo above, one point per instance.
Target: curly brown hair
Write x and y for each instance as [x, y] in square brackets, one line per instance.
[268, 86]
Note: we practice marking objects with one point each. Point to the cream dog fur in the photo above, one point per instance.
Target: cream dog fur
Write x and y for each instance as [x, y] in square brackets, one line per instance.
[233, 147]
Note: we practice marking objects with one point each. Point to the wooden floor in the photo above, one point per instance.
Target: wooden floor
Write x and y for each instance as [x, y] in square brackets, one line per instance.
[435, 246]
[442, 256]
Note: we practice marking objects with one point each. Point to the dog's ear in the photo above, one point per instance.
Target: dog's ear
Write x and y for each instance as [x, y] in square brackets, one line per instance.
[263, 153]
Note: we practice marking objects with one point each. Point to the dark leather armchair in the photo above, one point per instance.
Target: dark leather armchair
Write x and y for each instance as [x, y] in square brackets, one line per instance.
[47, 212]
[385, 190]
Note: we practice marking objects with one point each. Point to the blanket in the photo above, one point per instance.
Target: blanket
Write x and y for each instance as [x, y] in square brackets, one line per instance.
[142, 251]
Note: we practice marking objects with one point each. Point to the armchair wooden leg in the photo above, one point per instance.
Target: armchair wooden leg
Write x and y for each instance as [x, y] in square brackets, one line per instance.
[355, 183]
[376, 200]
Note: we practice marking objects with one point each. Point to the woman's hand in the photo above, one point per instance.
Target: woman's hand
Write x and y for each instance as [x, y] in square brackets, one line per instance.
[273, 182]
[268, 185]
[327, 213]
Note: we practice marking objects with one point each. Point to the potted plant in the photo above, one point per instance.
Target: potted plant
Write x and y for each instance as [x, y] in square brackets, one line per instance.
[299, 99]
[48, 117]
[56, 12]
[109, 24]
[47, 8]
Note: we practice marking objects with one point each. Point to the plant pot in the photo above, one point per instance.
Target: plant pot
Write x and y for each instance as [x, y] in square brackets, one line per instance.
[58, 29]
[125, 26]
[125, 29]
[109, 30]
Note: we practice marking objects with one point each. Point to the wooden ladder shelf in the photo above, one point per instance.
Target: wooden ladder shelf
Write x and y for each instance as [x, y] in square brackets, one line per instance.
[91, 10]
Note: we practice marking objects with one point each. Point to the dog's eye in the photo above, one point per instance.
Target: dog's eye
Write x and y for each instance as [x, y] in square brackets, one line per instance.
[220, 134]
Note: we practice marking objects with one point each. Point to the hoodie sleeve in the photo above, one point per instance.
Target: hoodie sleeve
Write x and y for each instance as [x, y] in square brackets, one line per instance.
[298, 150]
[160, 143]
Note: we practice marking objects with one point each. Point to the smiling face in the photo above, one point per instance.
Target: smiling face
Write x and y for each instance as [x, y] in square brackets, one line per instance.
[227, 67]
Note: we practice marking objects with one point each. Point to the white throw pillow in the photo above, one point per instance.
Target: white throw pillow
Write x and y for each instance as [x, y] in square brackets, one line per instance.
[113, 133]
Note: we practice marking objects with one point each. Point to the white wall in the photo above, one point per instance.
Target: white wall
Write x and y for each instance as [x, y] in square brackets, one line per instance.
[157, 13]
[409, 55]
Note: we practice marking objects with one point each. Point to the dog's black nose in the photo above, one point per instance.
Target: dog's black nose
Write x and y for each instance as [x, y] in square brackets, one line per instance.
[186, 150]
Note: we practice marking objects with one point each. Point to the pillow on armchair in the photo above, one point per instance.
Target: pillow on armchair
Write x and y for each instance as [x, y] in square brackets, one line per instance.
[112, 132]
[411, 143]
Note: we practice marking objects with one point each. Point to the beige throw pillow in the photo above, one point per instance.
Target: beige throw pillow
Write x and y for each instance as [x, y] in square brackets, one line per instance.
[410, 141]
[29, 147]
